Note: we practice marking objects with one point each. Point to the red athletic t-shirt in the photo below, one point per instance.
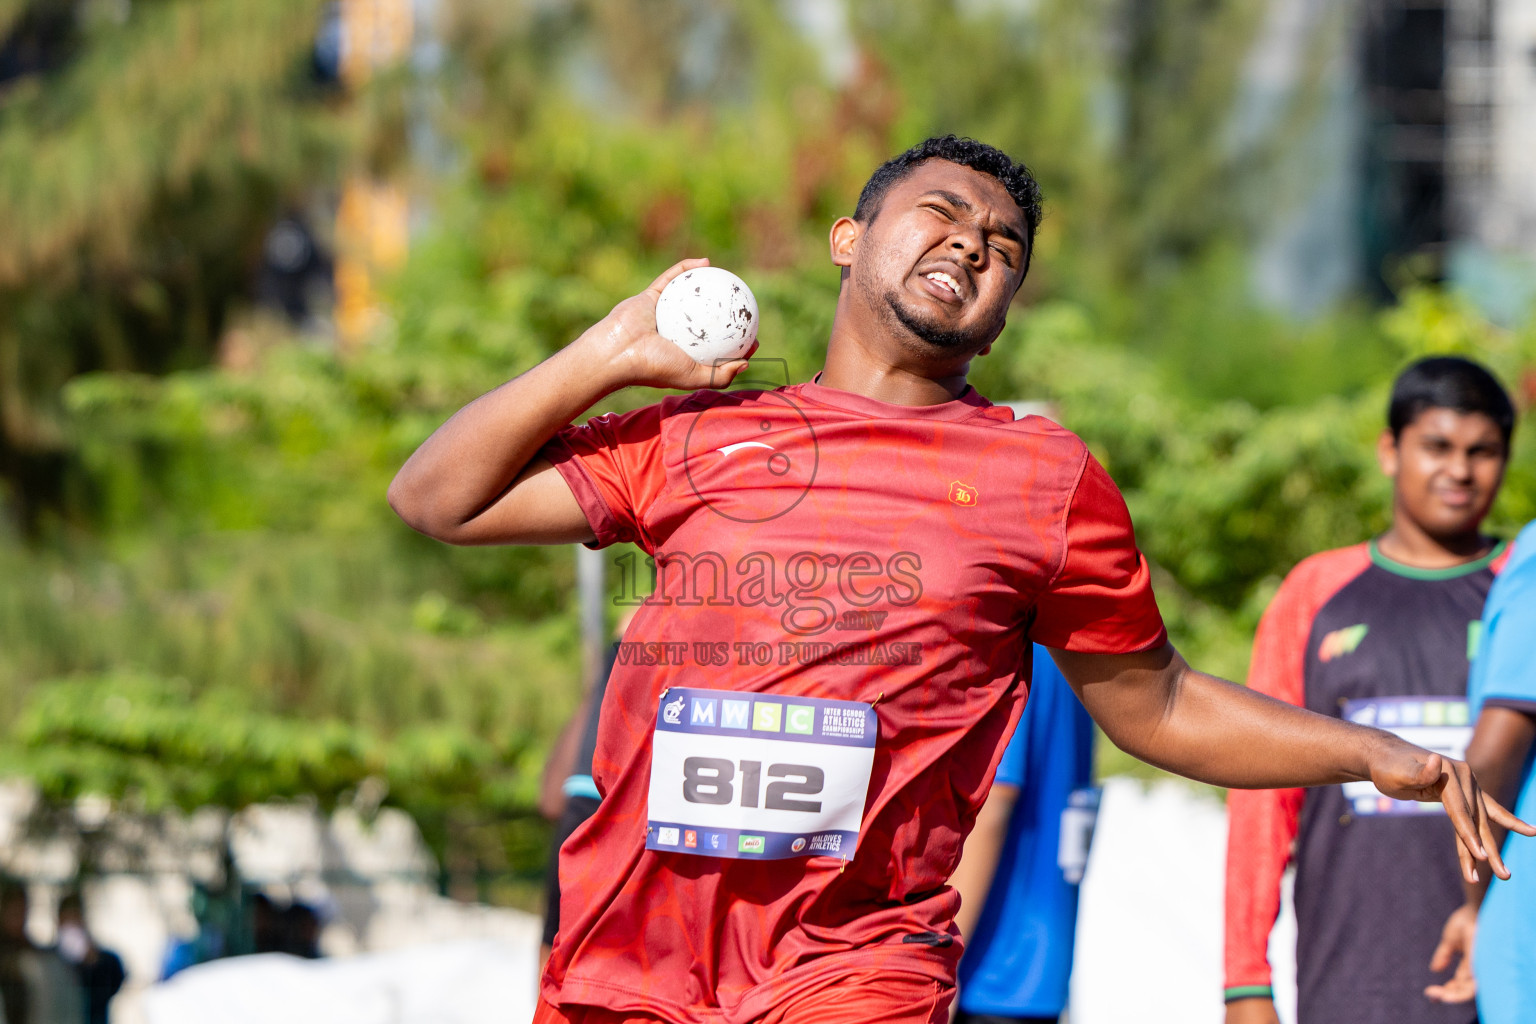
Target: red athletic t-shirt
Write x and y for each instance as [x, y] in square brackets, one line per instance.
[896, 555]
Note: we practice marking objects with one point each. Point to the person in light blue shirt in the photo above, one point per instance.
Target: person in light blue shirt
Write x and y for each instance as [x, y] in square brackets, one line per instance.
[1502, 701]
[1018, 955]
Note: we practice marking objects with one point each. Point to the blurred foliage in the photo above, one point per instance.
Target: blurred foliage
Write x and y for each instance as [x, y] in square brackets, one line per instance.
[137, 178]
[205, 598]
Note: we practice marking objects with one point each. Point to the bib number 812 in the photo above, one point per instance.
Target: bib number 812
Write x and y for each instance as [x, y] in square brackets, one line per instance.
[711, 780]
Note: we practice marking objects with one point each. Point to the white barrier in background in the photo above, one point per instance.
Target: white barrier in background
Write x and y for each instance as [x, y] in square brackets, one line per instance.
[1149, 929]
[470, 982]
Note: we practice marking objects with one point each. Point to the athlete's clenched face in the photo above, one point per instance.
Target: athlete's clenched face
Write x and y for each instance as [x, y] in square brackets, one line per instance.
[940, 260]
[1446, 467]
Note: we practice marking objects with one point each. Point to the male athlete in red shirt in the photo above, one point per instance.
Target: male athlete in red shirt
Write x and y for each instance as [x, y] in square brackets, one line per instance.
[850, 573]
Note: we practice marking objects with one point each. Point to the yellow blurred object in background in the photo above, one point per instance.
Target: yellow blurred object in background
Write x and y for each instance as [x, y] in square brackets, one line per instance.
[372, 218]
[372, 224]
[375, 33]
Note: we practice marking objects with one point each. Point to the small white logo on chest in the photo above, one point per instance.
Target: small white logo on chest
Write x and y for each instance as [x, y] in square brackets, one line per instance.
[738, 446]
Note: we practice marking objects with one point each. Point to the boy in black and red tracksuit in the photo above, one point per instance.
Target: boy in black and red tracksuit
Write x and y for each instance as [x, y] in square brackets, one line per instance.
[1379, 633]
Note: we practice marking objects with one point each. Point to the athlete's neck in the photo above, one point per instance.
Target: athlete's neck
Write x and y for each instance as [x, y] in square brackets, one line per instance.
[891, 384]
[1409, 543]
[857, 365]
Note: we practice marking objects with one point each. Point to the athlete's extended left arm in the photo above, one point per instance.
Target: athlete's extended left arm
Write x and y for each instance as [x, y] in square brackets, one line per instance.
[1155, 707]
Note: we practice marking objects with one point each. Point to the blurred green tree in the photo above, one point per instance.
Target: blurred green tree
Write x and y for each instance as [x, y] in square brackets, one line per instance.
[134, 200]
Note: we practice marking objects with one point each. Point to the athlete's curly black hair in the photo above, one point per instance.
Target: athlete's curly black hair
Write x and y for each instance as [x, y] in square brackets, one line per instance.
[1449, 382]
[978, 156]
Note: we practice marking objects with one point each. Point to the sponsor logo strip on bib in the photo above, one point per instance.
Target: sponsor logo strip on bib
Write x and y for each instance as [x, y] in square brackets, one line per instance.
[1439, 724]
[759, 776]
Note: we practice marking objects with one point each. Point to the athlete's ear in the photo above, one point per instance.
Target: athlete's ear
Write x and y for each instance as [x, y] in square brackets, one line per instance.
[1386, 454]
[985, 350]
[845, 234]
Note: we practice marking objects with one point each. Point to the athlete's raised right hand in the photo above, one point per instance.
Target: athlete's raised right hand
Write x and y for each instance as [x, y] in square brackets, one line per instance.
[479, 478]
[626, 344]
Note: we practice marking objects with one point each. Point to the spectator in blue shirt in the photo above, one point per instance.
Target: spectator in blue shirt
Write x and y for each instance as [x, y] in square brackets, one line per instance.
[1502, 701]
[1026, 856]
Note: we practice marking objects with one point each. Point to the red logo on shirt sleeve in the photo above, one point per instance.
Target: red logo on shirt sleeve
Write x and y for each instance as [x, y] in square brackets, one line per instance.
[962, 494]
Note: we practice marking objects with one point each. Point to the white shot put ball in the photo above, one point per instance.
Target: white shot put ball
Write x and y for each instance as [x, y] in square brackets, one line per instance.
[709, 313]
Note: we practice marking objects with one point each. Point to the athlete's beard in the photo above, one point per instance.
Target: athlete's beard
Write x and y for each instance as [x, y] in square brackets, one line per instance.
[948, 338]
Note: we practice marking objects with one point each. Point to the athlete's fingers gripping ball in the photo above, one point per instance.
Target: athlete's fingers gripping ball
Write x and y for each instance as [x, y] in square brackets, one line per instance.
[709, 313]
[628, 336]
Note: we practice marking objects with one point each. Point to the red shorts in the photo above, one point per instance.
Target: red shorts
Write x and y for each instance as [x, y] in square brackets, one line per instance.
[853, 998]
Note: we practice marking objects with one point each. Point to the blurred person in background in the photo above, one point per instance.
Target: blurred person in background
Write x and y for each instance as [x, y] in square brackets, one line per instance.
[1018, 876]
[292, 928]
[37, 985]
[216, 915]
[269, 933]
[1502, 698]
[14, 945]
[302, 925]
[568, 794]
[1379, 633]
[101, 970]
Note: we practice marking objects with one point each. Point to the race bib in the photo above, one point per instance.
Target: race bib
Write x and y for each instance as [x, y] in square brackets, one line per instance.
[758, 776]
[1440, 724]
